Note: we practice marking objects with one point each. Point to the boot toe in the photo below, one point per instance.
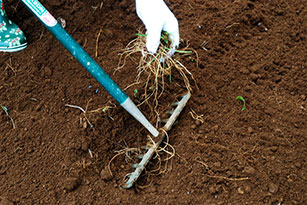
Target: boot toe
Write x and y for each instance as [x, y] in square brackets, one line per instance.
[12, 39]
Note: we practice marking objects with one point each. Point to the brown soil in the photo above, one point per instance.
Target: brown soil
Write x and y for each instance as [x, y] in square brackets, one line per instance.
[255, 49]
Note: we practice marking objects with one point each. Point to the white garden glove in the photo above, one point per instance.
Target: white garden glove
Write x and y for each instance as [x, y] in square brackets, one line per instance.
[157, 17]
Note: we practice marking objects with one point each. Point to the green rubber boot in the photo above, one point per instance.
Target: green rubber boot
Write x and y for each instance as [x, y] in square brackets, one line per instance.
[12, 38]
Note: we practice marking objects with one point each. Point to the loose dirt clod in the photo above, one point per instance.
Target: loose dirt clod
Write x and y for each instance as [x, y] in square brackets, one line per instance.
[5, 201]
[212, 189]
[197, 122]
[249, 170]
[105, 174]
[247, 188]
[249, 130]
[215, 128]
[193, 126]
[71, 183]
[217, 164]
[298, 165]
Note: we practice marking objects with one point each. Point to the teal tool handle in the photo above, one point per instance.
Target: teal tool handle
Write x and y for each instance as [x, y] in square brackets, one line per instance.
[76, 50]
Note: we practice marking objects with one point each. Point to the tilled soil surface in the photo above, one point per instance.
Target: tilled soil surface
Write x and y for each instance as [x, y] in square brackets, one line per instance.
[255, 49]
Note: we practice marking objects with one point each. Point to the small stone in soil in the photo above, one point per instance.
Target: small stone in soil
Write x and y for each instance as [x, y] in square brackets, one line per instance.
[217, 164]
[274, 148]
[273, 188]
[240, 190]
[212, 190]
[84, 146]
[250, 130]
[249, 170]
[197, 122]
[244, 71]
[229, 173]
[298, 164]
[215, 128]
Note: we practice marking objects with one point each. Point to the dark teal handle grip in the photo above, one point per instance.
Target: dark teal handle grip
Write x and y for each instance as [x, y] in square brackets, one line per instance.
[76, 50]
[88, 63]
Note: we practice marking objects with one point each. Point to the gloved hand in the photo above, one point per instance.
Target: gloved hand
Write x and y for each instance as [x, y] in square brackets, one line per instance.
[157, 17]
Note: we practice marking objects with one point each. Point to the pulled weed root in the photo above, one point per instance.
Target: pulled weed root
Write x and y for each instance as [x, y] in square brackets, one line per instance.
[154, 70]
[163, 156]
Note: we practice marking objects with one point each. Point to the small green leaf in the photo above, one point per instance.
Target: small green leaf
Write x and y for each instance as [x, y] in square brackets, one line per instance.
[5, 109]
[164, 38]
[106, 108]
[142, 35]
[241, 99]
[135, 92]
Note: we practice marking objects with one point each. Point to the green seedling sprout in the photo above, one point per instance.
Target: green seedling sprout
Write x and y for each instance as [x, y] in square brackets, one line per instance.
[7, 113]
[142, 35]
[241, 99]
[135, 92]
[164, 37]
[5, 110]
[106, 108]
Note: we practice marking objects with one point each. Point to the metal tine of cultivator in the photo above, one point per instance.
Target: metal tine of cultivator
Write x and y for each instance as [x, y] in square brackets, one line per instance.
[132, 177]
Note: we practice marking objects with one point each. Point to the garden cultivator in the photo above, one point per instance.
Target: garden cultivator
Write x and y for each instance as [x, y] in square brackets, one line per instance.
[103, 78]
[132, 177]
